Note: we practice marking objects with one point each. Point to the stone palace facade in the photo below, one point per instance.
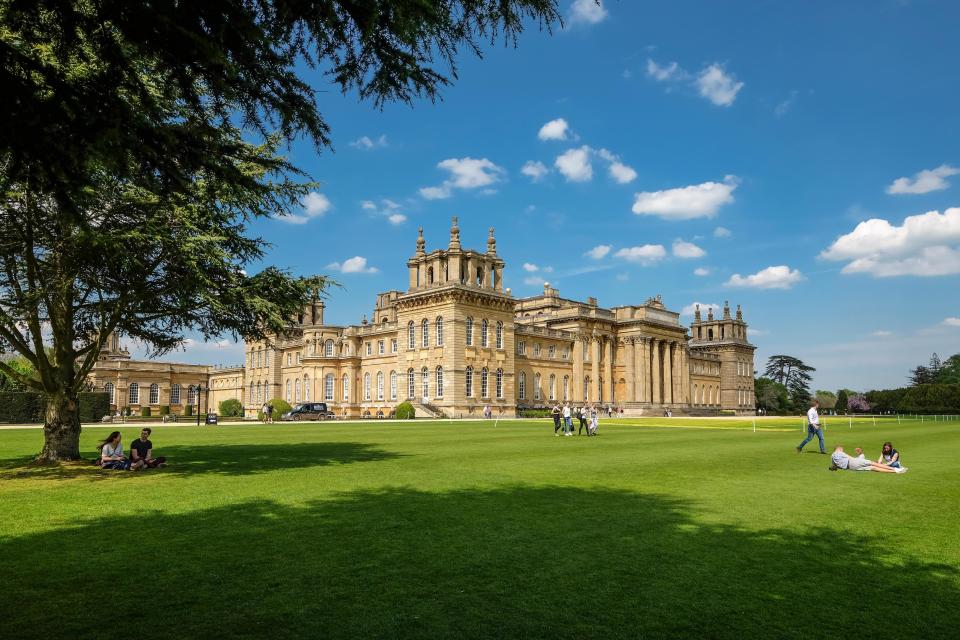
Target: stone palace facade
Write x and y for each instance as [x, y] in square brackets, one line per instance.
[456, 341]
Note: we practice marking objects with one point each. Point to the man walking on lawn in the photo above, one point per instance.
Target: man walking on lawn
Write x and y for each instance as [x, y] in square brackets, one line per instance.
[813, 427]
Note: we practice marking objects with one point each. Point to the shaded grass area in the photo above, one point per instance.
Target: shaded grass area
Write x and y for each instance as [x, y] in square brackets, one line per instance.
[467, 530]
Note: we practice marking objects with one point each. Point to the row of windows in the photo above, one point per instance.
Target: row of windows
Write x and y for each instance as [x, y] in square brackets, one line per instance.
[706, 395]
[381, 347]
[153, 393]
[743, 368]
[551, 351]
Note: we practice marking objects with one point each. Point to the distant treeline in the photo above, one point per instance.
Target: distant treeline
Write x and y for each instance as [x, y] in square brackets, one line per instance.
[924, 398]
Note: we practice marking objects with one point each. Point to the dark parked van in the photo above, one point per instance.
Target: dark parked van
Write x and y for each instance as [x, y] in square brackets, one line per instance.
[308, 411]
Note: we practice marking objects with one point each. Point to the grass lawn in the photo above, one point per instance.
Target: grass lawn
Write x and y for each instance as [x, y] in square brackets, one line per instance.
[466, 530]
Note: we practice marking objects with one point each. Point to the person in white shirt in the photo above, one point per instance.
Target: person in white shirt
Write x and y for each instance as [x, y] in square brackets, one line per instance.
[567, 419]
[813, 428]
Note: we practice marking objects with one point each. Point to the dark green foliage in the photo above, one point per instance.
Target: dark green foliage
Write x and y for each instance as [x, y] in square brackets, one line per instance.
[145, 412]
[926, 398]
[20, 365]
[534, 413]
[280, 407]
[842, 399]
[231, 408]
[794, 374]
[827, 399]
[29, 406]
[188, 409]
[405, 411]
[165, 410]
[771, 396]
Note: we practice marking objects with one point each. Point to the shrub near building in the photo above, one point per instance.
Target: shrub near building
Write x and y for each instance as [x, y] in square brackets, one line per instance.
[231, 408]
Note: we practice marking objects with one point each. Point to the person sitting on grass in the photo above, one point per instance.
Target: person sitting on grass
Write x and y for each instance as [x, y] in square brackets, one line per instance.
[889, 456]
[841, 460]
[111, 453]
[141, 453]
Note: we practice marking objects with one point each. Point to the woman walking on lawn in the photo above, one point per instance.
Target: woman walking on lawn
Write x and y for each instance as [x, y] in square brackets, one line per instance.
[555, 413]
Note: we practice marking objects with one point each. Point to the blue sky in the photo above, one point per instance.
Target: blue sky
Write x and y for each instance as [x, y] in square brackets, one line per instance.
[705, 151]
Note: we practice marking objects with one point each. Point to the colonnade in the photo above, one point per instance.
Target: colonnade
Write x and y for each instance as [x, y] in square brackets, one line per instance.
[654, 370]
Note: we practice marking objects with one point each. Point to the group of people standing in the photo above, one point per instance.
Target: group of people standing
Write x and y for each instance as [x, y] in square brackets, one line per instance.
[587, 415]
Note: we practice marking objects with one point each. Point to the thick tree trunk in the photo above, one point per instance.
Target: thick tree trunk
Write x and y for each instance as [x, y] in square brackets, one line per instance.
[61, 429]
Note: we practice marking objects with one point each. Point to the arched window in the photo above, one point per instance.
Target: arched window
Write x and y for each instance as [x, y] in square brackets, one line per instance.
[393, 385]
[586, 388]
[108, 389]
[536, 386]
[253, 398]
[439, 331]
[709, 334]
[289, 391]
[425, 333]
[484, 389]
[259, 392]
[411, 336]
[425, 382]
[328, 386]
[430, 275]
[133, 397]
[306, 388]
[296, 389]
[366, 386]
[175, 393]
[345, 386]
[500, 383]
[484, 326]
[499, 335]
[600, 389]
[522, 386]
[154, 393]
[479, 276]
[328, 348]
[694, 394]
[536, 350]
[259, 358]
[266, 358]
[439, 389]
[411, 383]
[566, 388]
[191, 395]
[379, 385]
[468, 381]
[469, 330]
[553, 387]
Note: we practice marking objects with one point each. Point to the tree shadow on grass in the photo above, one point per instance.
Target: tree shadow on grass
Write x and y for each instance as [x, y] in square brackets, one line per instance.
[228, 459]
[514, 563]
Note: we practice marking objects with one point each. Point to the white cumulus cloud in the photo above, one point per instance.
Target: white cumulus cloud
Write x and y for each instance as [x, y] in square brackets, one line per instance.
[587, 12]
[367, 143]
[701, 271]
[683, 249]
[665, 72]
[534, 169]
[618, 171]
[599, 252]
[952, 322]
[575, 165]
[718, 86]
[356, 264]
[779, 277]
[692, 307]
[721, 232]
[531, 268]
[465, 173]
[926, 244]
[387, 208]
[924, 181]
[555, 130]
[314, 206]
[645, 255]
[396, 218]
[684, 203]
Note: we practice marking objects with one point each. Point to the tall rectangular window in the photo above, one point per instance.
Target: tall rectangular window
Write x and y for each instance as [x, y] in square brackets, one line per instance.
[380, 347]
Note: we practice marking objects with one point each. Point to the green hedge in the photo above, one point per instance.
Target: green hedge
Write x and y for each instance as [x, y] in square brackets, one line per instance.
[231, 408]
[534, 413]
[405, 411]
[165, 410]
[188, 409]
[28, 406]
[144, 412]
[280, 407]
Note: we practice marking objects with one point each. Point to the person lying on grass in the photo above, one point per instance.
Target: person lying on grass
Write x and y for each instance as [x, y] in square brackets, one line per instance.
[111, 453]
[841, 460]
[889, 456]
[141, 453]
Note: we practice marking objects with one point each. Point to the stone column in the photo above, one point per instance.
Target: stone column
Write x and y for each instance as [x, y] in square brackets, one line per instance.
[595, 369]
[629, 354]
[577, 394]
[608, 370]
[668, 372]
[644, 366]
[655, 370]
